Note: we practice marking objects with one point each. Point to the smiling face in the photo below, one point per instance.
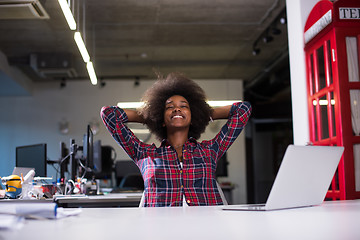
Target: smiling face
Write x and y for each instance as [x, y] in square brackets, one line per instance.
[177, 113]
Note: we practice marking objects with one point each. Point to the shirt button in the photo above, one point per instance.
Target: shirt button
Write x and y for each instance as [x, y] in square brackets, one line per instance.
[188, 201]
[181, 171]
[182, 186]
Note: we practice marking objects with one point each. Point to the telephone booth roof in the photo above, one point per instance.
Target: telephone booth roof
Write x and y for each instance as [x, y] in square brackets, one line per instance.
[327, 14]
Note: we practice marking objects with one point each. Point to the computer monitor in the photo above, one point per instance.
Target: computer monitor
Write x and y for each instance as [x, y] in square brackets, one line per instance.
[88, 148]
[97, 157]
[32, 156]
[104, 157]
[64, 160]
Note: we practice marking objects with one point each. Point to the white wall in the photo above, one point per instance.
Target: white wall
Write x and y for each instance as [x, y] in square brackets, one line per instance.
[297, 13]
[35, 119]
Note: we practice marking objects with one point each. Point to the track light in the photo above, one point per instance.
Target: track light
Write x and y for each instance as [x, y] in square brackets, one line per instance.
[267, 39]
[137, 81]
[283, 20]
[102, 83]
[256, 51]
[268, 34]
[275, 31]
[62, 83]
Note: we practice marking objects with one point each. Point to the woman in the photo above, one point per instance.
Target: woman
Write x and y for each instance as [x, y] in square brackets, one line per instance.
[180, 169]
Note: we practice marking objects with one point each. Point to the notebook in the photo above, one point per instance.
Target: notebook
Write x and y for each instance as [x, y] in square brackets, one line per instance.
[303, 178]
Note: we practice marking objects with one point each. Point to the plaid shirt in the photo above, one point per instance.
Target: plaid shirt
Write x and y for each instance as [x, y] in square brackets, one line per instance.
[165, 181]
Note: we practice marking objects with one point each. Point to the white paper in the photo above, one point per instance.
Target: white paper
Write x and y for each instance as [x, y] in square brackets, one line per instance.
[36, 210]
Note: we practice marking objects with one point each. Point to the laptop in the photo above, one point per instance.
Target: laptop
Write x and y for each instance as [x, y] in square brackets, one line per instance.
[303, 178]
[21, 170]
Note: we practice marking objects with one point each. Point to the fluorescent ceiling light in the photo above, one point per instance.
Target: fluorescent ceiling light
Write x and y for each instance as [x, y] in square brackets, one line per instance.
[68, 14]
[140, 131]
[91, 71]
[81, 45]
[222, 103]
[127, 105]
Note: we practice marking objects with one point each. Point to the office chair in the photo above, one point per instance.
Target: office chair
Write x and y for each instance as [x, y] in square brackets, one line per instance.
[221, 194]
[132, 182]
[217, 184]
[124, 168]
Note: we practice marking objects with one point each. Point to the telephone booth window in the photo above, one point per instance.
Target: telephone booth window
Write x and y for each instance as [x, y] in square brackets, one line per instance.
[321, 67]
[312, 87]
[324, 117]
[353, 74]
[332, 104]
[329, 53]
[352, 58]
[357, 166]
[353, 71]
[355, 111]
[315, 121]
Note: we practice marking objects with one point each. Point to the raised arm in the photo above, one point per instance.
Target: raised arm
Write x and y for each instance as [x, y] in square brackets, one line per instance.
[221, 112]
[134, 116]
[237, 114]
[114, 119]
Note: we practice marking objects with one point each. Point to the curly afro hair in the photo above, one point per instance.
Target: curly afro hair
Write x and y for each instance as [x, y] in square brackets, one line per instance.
[175, 84]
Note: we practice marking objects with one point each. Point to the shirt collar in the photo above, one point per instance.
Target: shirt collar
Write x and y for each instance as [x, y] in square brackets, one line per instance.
[190, 143]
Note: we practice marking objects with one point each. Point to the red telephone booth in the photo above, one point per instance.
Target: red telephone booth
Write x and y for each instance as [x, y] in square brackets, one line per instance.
[332, 43]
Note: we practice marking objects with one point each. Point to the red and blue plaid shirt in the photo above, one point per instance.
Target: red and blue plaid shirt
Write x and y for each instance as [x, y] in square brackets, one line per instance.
[165, 181]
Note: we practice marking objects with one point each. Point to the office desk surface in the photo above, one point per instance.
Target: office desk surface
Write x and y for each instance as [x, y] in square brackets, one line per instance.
[109, 200]
[332, 220]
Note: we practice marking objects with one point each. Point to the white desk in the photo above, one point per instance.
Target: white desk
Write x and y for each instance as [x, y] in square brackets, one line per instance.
[130, 199]
[332, 220]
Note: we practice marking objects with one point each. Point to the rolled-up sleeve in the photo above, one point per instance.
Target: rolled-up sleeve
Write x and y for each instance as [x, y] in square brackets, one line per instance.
[114, 119]
[238, 117]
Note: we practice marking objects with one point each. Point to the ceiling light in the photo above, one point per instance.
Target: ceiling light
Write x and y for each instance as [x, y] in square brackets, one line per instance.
[91, 72]
[127, 105]
[102, 83]
[62, 83]
[256, 51]
[81, 45]
[267, 39]
[67, 13]
[283, 20]
[134, 105]
[222, 103]
[140, 131]
[275, 31]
